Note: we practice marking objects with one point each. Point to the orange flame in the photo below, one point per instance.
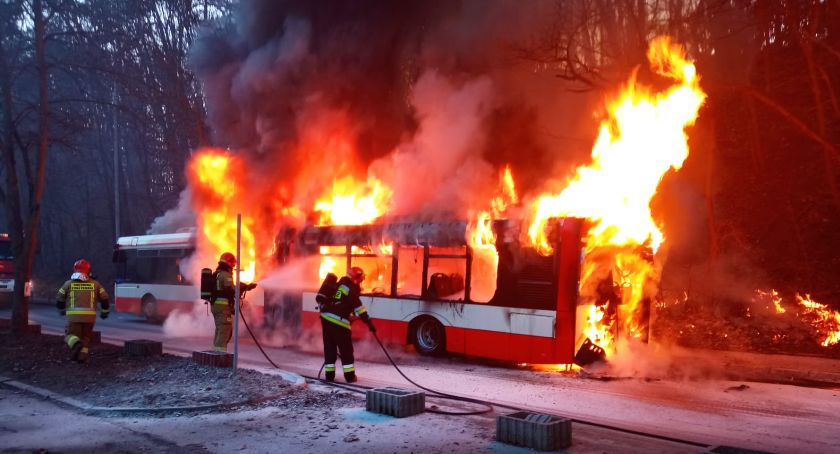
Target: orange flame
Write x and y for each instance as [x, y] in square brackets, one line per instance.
[824, 320]
[480, 230]
[215, 186]
[773, 296]
[640, 141]
[482, 238]
[507, 193]
[350, 202]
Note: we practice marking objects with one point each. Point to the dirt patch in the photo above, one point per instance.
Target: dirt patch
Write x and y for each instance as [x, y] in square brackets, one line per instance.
[112, 379]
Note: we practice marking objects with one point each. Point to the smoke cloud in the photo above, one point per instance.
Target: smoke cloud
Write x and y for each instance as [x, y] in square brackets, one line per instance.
[180, 217]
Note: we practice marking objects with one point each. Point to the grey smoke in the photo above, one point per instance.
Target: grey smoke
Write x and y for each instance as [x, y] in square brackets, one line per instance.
[179, 217]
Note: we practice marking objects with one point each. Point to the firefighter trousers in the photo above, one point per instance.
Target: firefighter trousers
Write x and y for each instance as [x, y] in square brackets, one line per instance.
[337, 340]
[223, 317]
[78, 332]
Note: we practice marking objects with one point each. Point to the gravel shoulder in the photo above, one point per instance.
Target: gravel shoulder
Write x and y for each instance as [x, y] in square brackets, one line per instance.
[112, 379]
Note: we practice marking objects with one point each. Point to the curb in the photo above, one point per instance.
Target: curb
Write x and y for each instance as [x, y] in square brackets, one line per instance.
[94, 410]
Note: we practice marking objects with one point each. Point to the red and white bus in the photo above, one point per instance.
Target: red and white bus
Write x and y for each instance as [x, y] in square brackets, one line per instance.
[148, 278]
[531, 312]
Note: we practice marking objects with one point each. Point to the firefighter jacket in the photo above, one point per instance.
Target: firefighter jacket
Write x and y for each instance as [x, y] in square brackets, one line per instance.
[345, 302]
[223, 292]
[78, 297]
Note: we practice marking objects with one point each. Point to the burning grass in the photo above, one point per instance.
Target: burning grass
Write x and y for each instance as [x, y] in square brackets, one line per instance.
[768, 323]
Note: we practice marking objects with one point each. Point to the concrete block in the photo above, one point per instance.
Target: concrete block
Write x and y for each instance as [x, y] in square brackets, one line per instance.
[534, 430]
[143, 348]
[395, 401]
[213, 358]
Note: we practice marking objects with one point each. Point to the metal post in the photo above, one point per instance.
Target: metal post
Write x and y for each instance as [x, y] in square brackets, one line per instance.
[236, 292]
[424, 287]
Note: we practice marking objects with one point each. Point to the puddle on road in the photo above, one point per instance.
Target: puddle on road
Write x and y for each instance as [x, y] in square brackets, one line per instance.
[362, 415]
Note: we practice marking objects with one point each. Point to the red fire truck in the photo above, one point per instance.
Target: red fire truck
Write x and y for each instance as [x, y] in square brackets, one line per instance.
[7, 269]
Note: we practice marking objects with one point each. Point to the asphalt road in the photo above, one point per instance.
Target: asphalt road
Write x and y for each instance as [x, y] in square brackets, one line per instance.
[769, 417]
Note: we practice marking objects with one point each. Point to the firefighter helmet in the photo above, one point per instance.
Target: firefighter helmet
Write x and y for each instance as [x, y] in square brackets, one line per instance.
[81, 266]
[228, 259]
[356, 274]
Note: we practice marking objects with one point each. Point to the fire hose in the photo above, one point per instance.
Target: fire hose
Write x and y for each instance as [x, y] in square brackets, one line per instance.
[433, 393]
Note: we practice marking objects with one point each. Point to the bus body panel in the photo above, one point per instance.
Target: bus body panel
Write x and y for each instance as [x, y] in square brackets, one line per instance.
[503, 333]
[128, 296]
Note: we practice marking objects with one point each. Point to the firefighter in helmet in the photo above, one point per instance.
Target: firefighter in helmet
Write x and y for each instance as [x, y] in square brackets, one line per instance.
[335, 323]
[82, 292]
[223, 300]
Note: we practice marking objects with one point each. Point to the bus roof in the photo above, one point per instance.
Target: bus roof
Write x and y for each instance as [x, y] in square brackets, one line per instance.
[162, 241]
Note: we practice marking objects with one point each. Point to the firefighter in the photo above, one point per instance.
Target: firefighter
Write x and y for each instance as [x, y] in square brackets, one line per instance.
[335, 324]
[83, 292]
[223, 300]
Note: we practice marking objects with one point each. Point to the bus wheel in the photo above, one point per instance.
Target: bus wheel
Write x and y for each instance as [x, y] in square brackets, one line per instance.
[428, 336]
[148, 306]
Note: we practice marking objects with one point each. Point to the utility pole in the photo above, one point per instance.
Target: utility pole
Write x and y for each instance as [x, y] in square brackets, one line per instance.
[236, 292]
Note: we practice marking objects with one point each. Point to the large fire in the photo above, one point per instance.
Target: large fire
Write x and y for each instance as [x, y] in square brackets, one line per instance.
[351, 202]
[642, 138]
[218, 194]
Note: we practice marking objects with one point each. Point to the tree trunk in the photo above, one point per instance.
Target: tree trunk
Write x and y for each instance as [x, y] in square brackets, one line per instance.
[25, 262]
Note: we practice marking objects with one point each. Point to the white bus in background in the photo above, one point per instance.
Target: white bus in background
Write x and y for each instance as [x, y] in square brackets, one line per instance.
[148, 276]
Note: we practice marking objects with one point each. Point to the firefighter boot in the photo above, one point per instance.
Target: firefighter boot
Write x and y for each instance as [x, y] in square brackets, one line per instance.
[329, 372]
[75, 350]
[84, 357]
[350, 377]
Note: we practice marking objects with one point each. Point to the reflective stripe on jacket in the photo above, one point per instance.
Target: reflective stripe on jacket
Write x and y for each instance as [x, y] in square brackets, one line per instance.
[333, 318]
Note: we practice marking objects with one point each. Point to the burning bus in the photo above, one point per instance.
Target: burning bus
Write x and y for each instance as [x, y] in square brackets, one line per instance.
[429, 287]
[494, 275]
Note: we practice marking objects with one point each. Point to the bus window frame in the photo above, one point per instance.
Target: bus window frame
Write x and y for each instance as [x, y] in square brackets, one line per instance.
[126, 259]
[467, 257]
